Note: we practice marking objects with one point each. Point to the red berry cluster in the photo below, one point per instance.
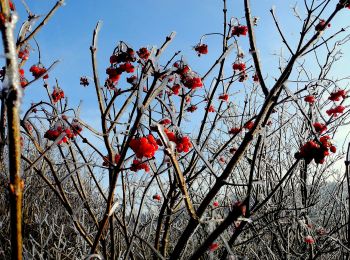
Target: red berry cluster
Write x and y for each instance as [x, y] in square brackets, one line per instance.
[121, 61]
[309, 239]
[255, 78]
[320, 128]
[239, 30]
[143, 53]
[114, 72]
[310, 99]
[38, 70]
[24, 53]
[123, 56]
[12, 6]
[57, 94]
[189, 78]
[113, 75]
[191, 81]
[165, 121]
[191, 108]
[176, 89]
[316, 150]
[156, 197]
[224, 97]
[243, 77]
[240, 66]
[211, 109]
[235, 130]
[335, 111]
[144, 146]
[201, 49]
[337, 95]
[55, 132]
[76, 127]
[183, 143]
[22, 80]
[138, 165]
[132, 80]
[213, 247]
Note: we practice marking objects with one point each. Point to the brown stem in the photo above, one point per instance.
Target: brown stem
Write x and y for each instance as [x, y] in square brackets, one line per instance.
[253, 49]
[43, 22]
[13, 108]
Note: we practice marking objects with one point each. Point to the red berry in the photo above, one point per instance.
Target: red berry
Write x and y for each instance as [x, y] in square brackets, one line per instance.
[213, 247]
[157, 197]
[310, 99]
[249, 125]
[309, 239]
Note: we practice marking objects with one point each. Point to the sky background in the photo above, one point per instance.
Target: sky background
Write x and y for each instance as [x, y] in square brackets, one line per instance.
[68, 35]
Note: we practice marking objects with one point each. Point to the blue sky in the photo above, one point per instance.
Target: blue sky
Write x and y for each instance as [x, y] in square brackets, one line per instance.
[68, 35]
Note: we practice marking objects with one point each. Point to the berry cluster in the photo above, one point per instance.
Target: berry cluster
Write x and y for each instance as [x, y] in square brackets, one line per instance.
[239, 30]
[337, 95]
[38, 70]
[123, 56]
[22, 80]
[255, 78]
[310, 99]
[240, 66]
[156, 197]
[144, 146]
[211, 109]
[183, 143]
[138, 165]
[165, 121]
[309, 240]
[235, 130]
[176, 89]
[201, 49]
[121, 61]
[189, 78]
[224, 97]
[23, 53]
[57, 94]
[213, 247]
[53, 133]
[320, 128]
[143, 53]
[335, 111]
[191, 108]
[316, 150]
